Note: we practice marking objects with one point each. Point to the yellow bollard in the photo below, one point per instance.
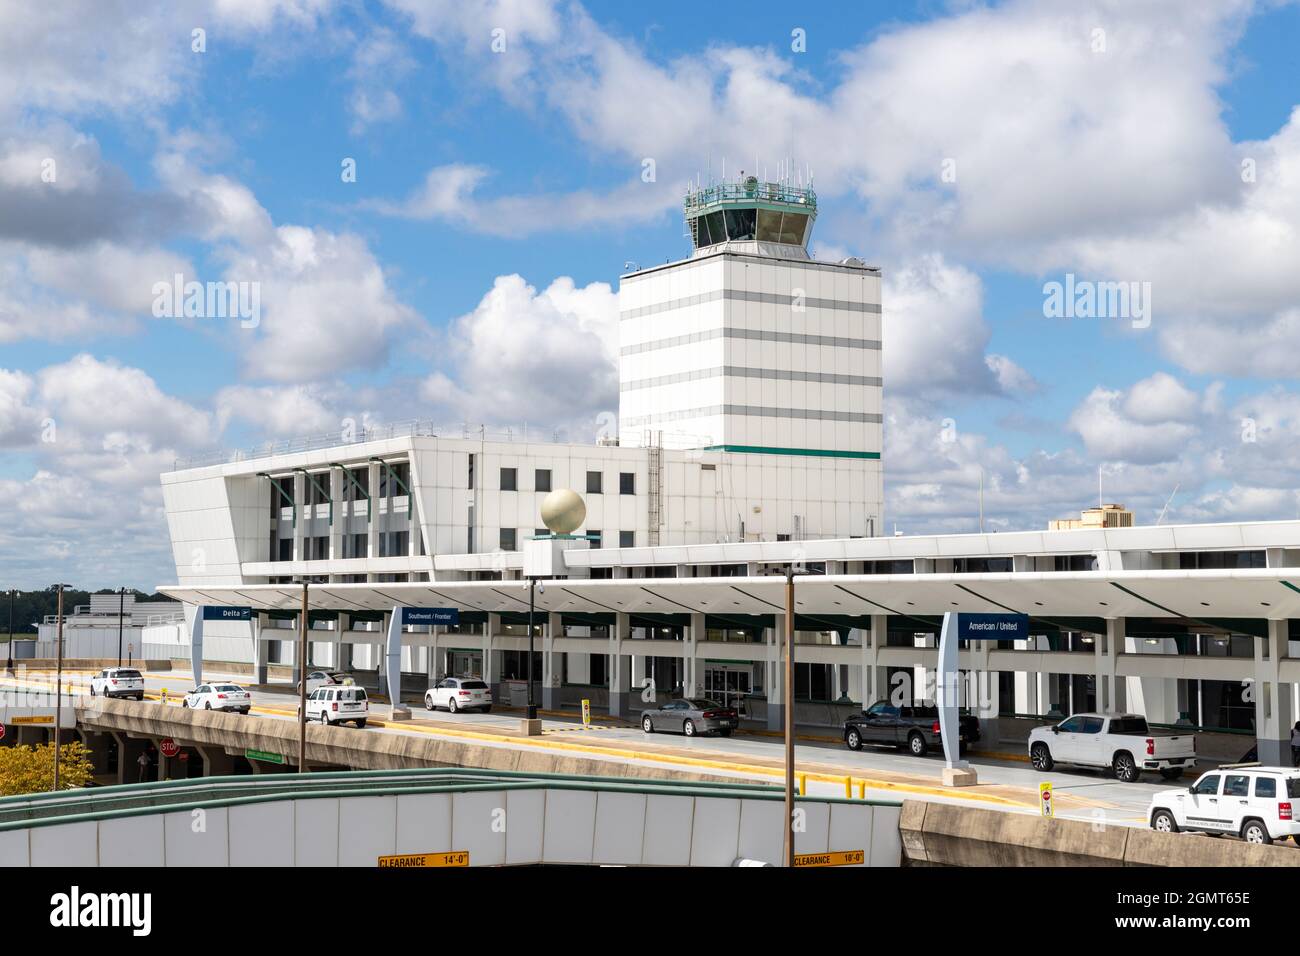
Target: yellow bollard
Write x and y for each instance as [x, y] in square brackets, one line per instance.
[862, 790]
[803, 785]
[848, 788]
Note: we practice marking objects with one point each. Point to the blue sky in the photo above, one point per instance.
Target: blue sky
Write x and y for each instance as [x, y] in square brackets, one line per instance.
[499, 194]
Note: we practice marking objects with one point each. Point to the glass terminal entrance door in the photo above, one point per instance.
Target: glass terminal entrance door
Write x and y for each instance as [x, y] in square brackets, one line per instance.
[728, 683]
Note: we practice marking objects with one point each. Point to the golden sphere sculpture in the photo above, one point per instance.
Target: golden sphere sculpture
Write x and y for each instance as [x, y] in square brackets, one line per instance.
[563, 511]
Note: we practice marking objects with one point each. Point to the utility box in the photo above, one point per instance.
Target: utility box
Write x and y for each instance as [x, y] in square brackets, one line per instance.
[544, 556]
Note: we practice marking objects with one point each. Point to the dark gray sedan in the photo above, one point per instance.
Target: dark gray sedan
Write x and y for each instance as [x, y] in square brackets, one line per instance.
[691, 716]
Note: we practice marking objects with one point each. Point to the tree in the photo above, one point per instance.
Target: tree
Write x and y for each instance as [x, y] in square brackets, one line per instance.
[26, 769]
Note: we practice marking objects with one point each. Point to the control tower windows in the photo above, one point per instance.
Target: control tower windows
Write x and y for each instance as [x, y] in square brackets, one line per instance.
[787, 227]
[741, 223]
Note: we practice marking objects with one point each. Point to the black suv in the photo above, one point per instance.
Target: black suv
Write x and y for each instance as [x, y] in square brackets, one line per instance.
[916, 728]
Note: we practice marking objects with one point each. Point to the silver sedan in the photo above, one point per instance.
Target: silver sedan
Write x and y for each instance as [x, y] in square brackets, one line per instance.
[691, 716]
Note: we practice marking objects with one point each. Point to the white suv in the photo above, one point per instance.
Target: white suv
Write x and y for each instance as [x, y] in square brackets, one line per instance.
[1257, 803]
[336, 704]
[118, 682]
[459, 693]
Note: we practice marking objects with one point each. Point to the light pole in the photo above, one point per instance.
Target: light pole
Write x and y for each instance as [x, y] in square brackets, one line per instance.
[787, 843]
[121, 606]
[302, 682]
[787, 853]
[532, 595]
[9, 662]
[58, 687]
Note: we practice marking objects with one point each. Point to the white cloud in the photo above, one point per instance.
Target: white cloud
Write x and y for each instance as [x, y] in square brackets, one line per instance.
[100, 403]
[1110, 431]
[99, 434]
[522, 356]
[277, 412]
[19, 420]
[326, 305]
[451, 193]
[935, 336]
[378, 62]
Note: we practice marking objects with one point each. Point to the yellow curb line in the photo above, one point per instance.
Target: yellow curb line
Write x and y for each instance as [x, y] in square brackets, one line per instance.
[751, 769]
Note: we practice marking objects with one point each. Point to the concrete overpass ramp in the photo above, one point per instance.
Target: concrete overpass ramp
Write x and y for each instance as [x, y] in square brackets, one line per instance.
[440, 817]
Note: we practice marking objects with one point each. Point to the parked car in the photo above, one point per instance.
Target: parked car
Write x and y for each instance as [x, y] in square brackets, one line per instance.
[321, 678]
[691, 716]
[336, 705]
[1255, 803]
[227, 697]
[118, 682]
[916, 728]
[459, 693]
[1122, 742]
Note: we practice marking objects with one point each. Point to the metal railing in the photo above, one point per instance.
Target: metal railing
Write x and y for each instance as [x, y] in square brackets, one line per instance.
[355, 436]
[750, 192]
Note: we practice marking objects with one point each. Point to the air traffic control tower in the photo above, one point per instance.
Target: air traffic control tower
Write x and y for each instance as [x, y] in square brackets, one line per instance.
[752, 348]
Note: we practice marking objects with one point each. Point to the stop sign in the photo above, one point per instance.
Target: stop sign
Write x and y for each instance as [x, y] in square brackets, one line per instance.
[2, 731]
[169, 747]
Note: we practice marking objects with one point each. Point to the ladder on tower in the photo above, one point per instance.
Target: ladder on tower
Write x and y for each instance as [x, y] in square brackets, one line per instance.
[655, 463]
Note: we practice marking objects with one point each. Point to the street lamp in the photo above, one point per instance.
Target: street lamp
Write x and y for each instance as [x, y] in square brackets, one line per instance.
[302, 682]
[9, 662]
[58, 686]
[121, 609]
[790, 570]
[533, 586]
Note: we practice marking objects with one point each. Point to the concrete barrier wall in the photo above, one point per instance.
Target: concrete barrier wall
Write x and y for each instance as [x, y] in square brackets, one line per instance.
[552, 825]
[942, 834]
[349, 747]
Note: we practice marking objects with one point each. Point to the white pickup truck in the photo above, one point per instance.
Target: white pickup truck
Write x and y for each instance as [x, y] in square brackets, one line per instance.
[1122, 742]
[118, 682]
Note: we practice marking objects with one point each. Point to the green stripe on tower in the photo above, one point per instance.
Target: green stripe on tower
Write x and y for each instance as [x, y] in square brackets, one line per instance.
[803, 452]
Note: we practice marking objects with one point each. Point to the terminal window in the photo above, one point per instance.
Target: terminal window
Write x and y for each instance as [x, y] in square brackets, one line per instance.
[594, 537]
[626, 483]
[509, 479]
[542, 479]
[508, 539]
[627, 539]
[594, 482]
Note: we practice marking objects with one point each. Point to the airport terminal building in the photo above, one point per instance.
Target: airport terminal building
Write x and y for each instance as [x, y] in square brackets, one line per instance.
[749, 438]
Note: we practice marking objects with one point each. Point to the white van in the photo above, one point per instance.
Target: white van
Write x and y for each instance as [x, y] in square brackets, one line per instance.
[1256, 803]
[334, 704]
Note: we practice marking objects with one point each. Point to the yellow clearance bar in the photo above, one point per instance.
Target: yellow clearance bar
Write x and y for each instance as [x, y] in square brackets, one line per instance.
[46, 719]
[411, 860]
[834, 858]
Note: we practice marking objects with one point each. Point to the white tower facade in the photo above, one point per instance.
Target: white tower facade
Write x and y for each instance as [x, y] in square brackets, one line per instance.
[750, 347]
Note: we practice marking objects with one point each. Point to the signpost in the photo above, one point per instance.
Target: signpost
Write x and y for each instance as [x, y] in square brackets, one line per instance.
[390, 680]
[964, 626]
[1045, 799]
[169, 747]
[586, 715]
